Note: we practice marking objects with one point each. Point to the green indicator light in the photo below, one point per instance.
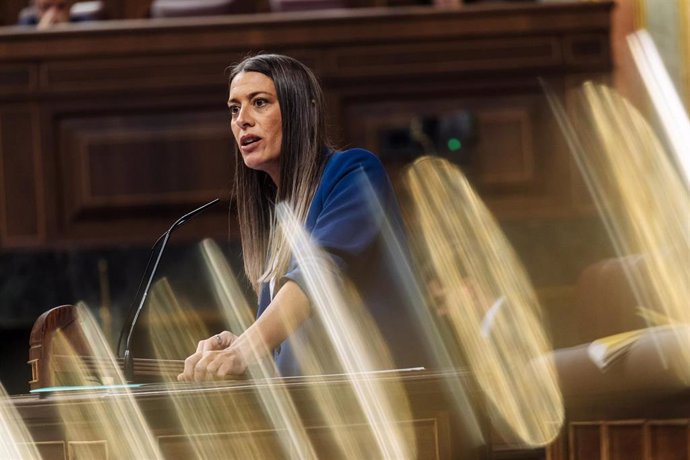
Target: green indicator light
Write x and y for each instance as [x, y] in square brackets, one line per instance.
[454, 144]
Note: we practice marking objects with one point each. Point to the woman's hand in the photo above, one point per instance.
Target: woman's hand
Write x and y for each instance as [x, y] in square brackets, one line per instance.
[226, 354]
[215, 358]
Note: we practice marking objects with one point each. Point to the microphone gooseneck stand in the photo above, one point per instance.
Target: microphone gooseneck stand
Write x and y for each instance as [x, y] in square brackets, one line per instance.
[127, 357]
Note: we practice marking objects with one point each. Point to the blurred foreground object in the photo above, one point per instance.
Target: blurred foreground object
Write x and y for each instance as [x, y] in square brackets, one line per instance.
[637, 405]
[473, 264]
[644, 203]
[638, 182]
[667, 103]
[647, 377]
[15, 441]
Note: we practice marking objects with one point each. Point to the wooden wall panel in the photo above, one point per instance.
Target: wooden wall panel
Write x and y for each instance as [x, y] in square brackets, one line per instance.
[133, 160]
[17, 79]
[583, 50]
[624, 441]
[115, 165]
[140, 73]
[77, 450]
[268, 443]
[669, 440]
[656, 439]
[21, 207]
[505, 151]
[585, 441]
[52, 449]
[516, 170]
[521, 54]
[265, 445]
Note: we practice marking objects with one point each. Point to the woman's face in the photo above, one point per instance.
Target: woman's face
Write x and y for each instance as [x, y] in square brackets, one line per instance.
[256, 122]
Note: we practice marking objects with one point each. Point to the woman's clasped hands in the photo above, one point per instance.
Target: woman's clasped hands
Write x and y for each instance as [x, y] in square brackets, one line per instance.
[216, 358]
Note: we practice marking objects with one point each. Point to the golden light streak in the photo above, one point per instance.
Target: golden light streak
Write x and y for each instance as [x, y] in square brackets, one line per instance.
[115, 416]
[15, 440]
[669, 268]
[645, 206]
[475, 267]
[668, 105]
[440, 341]
[358, 349]
[230, 296]
[275, 401]
[174, 330]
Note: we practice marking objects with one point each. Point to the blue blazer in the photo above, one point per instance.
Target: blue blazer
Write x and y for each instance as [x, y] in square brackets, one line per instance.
[340, 220]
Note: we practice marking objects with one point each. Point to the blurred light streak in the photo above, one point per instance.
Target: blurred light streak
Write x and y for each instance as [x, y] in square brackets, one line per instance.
[440, 342]
[358, 348]
[172, 328]
[15, 439]
[206, 418]
[643, 202]
[668, 105]
[475, 266]
[275, 400]
[113, 417]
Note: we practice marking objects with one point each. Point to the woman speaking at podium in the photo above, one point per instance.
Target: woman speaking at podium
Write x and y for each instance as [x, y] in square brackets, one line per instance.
[282, 155]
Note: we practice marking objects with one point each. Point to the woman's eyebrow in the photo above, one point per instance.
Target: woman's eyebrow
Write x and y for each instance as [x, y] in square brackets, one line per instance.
[250, 96]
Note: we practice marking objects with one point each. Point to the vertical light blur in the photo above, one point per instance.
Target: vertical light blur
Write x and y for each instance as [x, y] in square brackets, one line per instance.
[440, 341]
[174, 330]
[644, 203]
[275, 400]
[358, 348]
[487, 300]
[118, 419]
[230, 296]
[668, 105]
[15, 440]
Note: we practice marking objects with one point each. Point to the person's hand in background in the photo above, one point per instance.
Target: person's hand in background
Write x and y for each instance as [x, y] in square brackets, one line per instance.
[51, 12]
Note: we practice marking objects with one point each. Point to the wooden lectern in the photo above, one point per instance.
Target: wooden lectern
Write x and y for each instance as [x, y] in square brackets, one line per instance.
[438, 428]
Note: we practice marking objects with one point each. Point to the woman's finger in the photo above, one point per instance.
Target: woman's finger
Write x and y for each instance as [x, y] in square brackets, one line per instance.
[189, 364]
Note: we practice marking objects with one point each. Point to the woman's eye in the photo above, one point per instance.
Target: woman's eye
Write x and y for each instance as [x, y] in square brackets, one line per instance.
[234, 110]
[260, 102]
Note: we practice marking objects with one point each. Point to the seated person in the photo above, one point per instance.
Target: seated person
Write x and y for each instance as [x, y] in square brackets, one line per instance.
[45, 13]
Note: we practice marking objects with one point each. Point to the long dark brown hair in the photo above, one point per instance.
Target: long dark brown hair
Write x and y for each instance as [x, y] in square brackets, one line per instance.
[303, 155]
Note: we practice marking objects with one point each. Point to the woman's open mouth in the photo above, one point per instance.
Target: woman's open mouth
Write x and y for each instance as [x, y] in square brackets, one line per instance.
[249, 142]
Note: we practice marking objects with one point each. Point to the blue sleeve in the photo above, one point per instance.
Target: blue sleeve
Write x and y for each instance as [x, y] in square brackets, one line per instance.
[343, 224]
[29, 20]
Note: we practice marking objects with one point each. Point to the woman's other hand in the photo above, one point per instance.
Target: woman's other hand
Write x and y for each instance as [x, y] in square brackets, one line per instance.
[215, 358]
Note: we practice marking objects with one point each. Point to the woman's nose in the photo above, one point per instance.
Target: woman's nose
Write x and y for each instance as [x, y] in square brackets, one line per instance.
[244, 118]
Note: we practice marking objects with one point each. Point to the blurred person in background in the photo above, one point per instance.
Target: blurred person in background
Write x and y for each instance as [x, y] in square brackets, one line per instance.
[45, 13]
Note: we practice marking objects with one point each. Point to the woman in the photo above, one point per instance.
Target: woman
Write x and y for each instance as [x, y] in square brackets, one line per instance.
[282, 155]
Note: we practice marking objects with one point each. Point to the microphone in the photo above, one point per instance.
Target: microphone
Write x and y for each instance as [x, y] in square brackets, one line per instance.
[128, 360]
